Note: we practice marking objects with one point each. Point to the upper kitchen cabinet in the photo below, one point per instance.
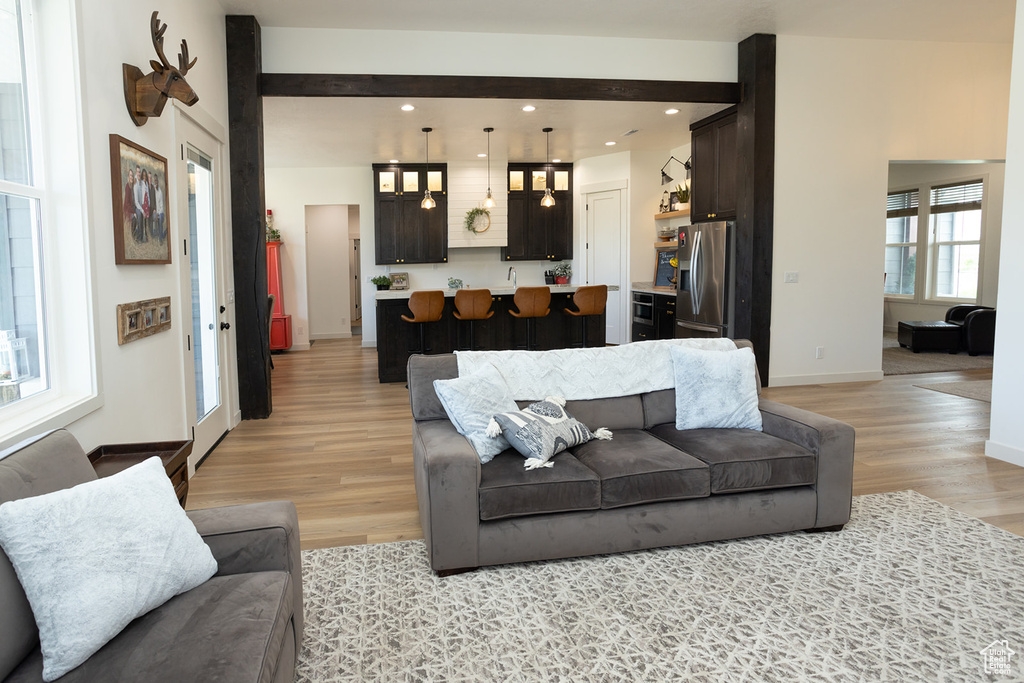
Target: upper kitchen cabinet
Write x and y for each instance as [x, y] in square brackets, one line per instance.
[404, 231]
[713, 148]
[536, 232]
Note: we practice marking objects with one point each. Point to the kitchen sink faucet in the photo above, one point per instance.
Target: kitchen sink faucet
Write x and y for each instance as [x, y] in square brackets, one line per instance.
[512, 275]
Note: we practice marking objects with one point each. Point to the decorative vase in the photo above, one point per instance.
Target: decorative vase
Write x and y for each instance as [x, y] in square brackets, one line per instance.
[380, 287]
[561, 280]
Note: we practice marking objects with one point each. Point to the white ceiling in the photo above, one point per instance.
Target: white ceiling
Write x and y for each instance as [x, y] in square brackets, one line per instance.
[322, 132]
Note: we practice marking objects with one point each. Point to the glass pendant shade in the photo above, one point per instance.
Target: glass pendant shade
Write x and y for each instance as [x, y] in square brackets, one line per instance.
[428, 201]
[548, 199]
[489, 202]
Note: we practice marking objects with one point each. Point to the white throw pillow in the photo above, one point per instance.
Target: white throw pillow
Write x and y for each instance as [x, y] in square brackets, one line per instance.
[94, 557]
[471, 401]
[715, 389]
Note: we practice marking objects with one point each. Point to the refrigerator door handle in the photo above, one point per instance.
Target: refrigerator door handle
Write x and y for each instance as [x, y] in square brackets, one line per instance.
[701, 263]
[693, 271]
[697, 326]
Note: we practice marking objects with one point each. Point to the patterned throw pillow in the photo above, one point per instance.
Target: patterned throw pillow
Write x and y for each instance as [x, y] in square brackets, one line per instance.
[543, 429]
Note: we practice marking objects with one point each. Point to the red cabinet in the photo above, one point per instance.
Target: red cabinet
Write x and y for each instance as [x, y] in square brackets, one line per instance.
[280, 324]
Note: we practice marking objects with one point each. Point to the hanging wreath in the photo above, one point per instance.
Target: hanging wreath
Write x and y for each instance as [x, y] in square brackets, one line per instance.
[478, 220]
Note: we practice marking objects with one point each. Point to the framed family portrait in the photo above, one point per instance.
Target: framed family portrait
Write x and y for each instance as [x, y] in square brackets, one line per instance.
[399, 280]
[138, 179]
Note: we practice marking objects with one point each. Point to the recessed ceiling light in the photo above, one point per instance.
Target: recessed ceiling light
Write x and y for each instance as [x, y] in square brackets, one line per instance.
[393, 161]
[671, 111]
[407, 107]
[556, 161]
[529, 107]
[482, 156]
[609, 143]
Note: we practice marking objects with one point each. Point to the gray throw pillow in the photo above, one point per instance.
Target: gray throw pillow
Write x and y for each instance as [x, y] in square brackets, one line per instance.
[715, 389]
[94, 557]
[543, 429]
[470, 402]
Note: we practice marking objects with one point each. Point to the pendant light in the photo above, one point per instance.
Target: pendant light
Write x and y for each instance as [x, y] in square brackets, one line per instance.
[428, 201]
[489, 202]
[548, 200]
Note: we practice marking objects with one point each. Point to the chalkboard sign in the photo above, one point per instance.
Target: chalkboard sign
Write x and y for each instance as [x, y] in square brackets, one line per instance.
[664, 271]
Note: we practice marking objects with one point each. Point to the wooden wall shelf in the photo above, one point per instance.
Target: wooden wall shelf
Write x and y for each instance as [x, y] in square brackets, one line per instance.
[671, 214]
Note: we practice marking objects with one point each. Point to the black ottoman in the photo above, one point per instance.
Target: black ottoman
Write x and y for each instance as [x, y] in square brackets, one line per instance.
[929, 335]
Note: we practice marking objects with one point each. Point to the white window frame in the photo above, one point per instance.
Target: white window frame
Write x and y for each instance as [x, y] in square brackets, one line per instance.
[907, 297]
[58, 155]
[934, 244]
[925, 279]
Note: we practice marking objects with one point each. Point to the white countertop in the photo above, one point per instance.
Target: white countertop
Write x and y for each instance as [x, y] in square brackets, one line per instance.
[495, 291]
[648, 287]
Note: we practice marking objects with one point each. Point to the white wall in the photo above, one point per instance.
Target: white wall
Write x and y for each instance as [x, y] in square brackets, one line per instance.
[1006, 435]
[327, 268]
[914, 174]
[143, 382]
[467, 189]
[845, 108]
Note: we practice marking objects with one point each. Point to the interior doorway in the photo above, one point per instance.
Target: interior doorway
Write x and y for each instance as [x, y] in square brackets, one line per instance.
[607, 257]
[328, 285]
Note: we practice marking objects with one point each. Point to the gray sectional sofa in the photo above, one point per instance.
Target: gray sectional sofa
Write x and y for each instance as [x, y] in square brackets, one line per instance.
[244, 624]
[650, 486]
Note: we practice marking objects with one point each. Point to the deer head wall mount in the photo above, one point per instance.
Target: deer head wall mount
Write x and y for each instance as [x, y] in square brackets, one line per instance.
[146, 94]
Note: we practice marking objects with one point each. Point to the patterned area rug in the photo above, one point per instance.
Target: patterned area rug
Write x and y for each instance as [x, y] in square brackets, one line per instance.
[978, 389]
[897, 360]
[911, 590]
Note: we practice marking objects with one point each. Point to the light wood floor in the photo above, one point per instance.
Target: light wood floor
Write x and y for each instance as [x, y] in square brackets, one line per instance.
[340, 446]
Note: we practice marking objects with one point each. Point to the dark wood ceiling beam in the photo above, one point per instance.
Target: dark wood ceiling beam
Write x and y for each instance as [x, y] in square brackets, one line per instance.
[497, 87]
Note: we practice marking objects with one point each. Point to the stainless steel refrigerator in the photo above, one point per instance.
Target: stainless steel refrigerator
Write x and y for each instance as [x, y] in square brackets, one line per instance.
[703, 285]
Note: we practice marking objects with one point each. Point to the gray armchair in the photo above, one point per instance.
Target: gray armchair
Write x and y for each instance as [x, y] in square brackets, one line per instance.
[244, 624]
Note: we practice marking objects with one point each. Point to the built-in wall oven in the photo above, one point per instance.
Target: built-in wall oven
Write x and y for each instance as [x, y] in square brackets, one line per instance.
[643, 308]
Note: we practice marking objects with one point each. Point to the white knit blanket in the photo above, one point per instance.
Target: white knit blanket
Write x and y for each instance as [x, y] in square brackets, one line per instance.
[579, 374]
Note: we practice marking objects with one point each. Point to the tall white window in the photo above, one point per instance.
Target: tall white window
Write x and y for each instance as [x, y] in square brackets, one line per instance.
[955, 225]
[48, 372]
[941, 263]
[23, 358]
[901, 242]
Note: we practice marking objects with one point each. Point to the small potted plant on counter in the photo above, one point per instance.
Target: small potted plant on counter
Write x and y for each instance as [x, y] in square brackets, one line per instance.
[563, 271]
[382, 282]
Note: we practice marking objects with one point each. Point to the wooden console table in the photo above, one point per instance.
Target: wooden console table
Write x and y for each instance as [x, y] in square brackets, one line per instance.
[112, 458]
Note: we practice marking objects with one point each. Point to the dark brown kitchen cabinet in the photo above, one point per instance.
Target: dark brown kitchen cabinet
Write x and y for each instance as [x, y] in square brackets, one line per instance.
[713, 185]
[535, 232]
[404, 231]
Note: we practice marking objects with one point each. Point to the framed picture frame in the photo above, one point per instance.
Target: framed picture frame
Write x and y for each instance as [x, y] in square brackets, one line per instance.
[399, 280]
[138, 319]
[138, 182]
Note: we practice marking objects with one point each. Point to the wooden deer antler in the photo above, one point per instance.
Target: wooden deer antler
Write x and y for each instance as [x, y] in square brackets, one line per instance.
[183, 64]
[146, 95]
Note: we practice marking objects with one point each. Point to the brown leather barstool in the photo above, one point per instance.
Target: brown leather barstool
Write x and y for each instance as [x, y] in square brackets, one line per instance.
[426, 307]
[532, 302]
[473, 305]
[589, 300]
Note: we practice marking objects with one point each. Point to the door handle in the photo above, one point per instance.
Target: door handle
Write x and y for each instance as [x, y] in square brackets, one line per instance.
[224, 326]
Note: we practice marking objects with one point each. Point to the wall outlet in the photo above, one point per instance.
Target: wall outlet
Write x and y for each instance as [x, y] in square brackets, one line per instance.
[819, 352]
[792, 276]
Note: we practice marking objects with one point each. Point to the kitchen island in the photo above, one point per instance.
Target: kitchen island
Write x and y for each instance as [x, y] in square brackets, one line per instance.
[397, 339]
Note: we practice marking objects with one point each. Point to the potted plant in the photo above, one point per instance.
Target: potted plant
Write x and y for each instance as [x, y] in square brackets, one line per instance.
[382, 282]
[563, 271]
[273, 235]
[682, 194]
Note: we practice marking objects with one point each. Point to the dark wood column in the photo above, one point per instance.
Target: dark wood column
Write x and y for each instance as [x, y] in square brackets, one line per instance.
[755, 189]
[248, 211]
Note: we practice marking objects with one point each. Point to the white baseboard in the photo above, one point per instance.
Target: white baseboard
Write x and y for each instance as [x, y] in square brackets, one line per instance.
[835, 378]
[369, 343]
[331, 335]
[1005, 453]
[299, 347]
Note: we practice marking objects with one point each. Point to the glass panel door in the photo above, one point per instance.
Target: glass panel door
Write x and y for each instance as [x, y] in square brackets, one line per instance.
[202, 262]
